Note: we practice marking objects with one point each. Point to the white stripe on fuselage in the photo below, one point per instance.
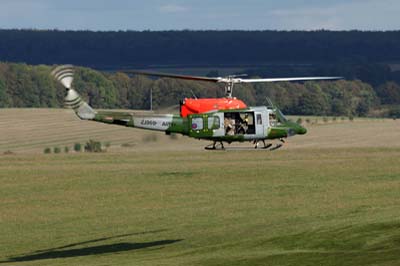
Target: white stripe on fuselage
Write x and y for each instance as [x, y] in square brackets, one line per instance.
[161, 122]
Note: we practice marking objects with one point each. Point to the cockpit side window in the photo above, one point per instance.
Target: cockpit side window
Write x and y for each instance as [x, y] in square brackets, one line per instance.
[276, 118]
[272, 119]
[213, 122]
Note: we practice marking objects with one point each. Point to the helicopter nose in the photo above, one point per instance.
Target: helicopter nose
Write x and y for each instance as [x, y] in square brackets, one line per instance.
[301, 130]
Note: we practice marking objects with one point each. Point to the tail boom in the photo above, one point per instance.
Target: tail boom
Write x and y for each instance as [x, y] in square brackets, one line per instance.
[81, 108]
[167, 123]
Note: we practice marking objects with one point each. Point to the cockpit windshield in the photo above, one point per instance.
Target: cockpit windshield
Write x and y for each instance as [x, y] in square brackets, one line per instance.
[276, 117]
[281, 116]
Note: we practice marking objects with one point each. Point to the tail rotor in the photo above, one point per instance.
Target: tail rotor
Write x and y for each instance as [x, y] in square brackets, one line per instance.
[65, 75]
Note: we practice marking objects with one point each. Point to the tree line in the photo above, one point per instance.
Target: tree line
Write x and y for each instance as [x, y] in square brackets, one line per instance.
[23, 85]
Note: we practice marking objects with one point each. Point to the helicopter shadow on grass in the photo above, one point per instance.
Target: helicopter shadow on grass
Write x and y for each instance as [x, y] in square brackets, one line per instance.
[69, 251]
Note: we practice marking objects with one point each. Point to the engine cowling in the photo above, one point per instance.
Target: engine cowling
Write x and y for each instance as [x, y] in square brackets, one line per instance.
[199, 106]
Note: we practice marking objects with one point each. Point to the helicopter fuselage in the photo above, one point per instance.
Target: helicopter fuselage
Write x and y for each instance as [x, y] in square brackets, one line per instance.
[237, 125]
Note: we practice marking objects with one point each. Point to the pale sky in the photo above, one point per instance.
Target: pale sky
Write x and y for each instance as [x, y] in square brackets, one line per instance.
[106, 15]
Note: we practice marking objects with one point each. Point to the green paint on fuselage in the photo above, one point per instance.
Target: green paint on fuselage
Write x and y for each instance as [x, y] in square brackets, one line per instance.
[179, 125]
[277, 133]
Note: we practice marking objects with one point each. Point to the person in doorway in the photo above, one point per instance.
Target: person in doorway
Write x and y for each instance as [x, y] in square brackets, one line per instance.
[244, 124]
[272, 119]
[229, 126]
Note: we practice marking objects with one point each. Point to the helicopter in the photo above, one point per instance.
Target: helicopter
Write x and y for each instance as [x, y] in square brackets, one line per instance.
[220, 120]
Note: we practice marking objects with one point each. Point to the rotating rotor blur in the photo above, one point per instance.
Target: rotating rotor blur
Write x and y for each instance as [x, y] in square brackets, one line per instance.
[229, 81]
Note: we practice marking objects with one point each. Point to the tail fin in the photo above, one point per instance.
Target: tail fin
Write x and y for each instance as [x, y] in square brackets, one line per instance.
[65, 75]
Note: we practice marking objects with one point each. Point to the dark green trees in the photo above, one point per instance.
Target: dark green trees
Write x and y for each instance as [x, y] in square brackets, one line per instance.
[22, 85]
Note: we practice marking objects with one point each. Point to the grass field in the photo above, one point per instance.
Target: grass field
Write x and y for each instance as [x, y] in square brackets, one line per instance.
[331, 197]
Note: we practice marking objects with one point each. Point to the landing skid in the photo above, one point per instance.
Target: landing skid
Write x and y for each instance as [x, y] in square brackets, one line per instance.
[217, 145]
[277, 146]
[268, 146]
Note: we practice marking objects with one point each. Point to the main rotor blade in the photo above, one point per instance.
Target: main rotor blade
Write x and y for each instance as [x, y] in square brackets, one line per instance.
[288, 79]
[167, 75]
[229, 79]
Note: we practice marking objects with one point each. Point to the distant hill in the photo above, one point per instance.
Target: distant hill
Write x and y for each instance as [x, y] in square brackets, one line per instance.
[373, 58]
[197, 48]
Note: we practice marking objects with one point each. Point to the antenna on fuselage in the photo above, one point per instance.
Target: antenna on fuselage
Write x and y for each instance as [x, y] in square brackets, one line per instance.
[194, 95]
[151, 99]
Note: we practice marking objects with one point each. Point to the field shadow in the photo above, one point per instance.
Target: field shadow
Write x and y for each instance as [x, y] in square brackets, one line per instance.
[101, 239]
[68, 252]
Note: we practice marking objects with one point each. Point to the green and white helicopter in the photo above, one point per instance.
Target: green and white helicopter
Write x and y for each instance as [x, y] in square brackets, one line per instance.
[227, 124]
